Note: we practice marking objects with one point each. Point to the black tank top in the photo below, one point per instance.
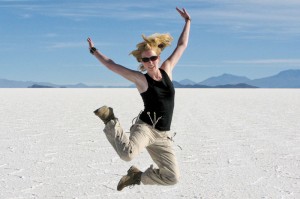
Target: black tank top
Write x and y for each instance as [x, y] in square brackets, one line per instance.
[158, 102]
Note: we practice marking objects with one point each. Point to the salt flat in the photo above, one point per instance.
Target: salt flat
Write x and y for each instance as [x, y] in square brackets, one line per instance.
[236, 143]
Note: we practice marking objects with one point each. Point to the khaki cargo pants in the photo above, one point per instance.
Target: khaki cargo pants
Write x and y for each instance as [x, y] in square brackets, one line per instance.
[157, 143]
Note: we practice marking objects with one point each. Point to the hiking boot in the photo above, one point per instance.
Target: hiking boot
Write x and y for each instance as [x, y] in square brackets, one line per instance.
[105, 114]
[133, 177]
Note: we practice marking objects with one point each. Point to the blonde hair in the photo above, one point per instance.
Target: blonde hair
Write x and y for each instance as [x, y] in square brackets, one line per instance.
[156, 42]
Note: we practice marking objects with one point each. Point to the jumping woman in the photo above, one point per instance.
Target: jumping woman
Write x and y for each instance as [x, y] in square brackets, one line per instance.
[151, 130]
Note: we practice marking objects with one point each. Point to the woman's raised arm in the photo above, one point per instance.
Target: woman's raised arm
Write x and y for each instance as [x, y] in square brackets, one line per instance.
[182, 43]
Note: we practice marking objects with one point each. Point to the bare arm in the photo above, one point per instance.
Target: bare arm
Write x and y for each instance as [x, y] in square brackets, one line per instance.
[129, 74]
[182, 43]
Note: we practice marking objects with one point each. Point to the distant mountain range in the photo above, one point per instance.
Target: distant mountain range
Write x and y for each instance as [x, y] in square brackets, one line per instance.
[284, 79]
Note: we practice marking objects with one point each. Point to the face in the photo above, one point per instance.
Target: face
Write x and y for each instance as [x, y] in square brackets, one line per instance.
[149, 61]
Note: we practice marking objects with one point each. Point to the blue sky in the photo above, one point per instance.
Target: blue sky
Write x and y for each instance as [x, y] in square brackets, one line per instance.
[45, 40]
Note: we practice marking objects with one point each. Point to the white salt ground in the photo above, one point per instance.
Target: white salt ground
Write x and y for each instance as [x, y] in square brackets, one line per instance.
[237, 143]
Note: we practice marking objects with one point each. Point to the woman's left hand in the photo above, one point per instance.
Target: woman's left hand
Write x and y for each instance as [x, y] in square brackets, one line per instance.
[91, 44]
[184, 14]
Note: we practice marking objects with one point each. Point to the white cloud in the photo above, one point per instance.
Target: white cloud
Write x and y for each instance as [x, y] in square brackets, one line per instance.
[50, 35]
[253, 62]
[62, 45]
[59, 45]
[265, 61]
[84, 9]
[26, 16]
[13, 0]
[252, 18]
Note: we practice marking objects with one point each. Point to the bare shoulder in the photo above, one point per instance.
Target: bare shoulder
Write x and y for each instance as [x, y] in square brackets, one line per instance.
[141, 82]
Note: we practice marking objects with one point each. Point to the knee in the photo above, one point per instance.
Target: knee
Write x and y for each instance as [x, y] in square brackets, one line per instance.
[127, 156]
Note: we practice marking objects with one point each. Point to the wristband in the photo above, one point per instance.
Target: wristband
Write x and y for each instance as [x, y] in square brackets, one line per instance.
[93, 50]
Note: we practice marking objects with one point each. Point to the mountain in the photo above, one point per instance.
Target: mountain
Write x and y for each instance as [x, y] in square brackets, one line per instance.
[224, 79]
[284, 79]
[39, 86]
[4, 83]
[179, 85]
[80, 85]
[187, 82]
[240, 85]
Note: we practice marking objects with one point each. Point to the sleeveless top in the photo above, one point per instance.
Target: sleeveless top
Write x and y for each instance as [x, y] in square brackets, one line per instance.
[158, 102]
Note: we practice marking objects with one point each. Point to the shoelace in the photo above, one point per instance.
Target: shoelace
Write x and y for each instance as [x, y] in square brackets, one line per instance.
[172, 139]
[154, 121]
[134, 119]
[154, 124]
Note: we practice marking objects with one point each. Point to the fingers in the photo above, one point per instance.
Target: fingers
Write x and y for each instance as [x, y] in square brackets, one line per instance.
[180, 12]
[89, 40]
[183, 13]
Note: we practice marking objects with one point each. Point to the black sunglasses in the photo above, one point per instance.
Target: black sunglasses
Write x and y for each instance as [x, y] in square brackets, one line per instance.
[147, 59]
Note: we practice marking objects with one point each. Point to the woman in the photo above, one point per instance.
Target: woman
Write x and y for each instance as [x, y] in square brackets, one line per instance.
[152, 127]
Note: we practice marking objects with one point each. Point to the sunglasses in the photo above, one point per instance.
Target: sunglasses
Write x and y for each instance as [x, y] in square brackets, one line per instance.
[147, 59]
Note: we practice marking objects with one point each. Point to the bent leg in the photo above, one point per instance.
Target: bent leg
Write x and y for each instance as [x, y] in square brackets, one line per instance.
[163, 155]
[128, 147]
